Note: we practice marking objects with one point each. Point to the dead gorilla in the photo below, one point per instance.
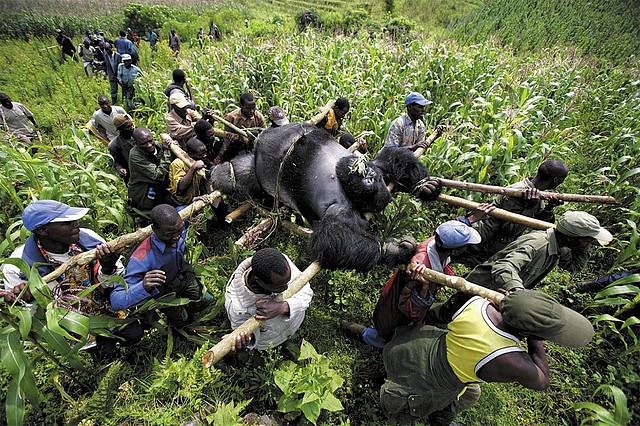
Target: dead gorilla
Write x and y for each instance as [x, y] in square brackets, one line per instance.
[306, 169]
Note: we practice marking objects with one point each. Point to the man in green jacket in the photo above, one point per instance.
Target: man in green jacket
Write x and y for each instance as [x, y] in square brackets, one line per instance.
[527, 261]
[498, 233]
[149, 163]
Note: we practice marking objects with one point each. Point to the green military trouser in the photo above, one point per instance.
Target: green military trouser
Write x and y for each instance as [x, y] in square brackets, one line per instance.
[420, 382]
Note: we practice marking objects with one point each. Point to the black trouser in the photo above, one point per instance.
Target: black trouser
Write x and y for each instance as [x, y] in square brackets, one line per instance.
[185, 285]
[106, 347]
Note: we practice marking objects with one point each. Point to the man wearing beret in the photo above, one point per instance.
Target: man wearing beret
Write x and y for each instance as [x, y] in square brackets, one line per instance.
[527, 260]
[433, 373]
[409, 130]
[56, 237]
[121, 145]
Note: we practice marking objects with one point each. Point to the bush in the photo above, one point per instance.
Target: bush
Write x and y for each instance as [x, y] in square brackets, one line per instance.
[308, 19]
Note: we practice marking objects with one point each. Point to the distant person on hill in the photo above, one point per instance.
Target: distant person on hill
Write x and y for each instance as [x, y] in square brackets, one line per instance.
[17, 120]
[101, 123]
[181, 84]
[174, 43]
[111, 61]
[133, 37]
[433, 374]
[497, 233]
[67, 45]
[120, 146]
[152, 38]
[409, 130]
[127, 74]
[201, 37]
[87, 52]
[124, 46]
[214, 32]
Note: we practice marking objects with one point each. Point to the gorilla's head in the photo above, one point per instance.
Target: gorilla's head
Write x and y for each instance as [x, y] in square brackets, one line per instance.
[363, 184]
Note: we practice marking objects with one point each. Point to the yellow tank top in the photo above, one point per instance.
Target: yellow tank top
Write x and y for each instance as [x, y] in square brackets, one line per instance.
[473, 340]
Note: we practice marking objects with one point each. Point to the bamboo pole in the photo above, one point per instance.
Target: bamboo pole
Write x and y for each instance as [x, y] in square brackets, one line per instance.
[499, 213]
[241, 210]
[232, 126]
[223, 347]
[517, 192]
[179, 152]
[125, 240]
[462, 285]
[322, 114]
[223, 134]
[253, 233]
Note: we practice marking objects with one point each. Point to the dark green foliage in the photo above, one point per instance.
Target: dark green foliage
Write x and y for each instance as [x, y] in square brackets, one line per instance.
[24, 26]
[308, 19]
[140, 17]
[608, 29]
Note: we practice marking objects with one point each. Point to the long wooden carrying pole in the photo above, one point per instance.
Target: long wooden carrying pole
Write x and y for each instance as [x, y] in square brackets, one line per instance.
[462, 285]
[322, 114]
[124, 240]
[223, 347]
[515, 192]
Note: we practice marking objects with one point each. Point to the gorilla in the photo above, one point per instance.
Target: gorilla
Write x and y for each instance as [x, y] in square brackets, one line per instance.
[306, 169]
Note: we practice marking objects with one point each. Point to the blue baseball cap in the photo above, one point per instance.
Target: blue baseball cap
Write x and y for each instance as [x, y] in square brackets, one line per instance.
[454, 234]
[416, 98]
[44, 212]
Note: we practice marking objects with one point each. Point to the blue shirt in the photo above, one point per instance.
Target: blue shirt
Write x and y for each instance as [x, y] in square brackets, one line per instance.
[126, 75]
[124, 45]
[150, 254]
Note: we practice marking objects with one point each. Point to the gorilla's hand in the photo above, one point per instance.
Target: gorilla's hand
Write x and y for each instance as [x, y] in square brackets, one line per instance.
[429, 188]
[400, 252]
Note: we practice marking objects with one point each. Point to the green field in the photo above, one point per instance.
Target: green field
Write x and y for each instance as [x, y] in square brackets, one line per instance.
[506, 110]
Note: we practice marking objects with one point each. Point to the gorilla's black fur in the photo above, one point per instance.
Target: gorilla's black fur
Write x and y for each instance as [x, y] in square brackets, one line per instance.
[306, 169]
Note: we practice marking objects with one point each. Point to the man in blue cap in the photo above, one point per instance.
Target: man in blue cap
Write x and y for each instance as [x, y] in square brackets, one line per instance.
[57, 237]
[407, 296]
[408, 130]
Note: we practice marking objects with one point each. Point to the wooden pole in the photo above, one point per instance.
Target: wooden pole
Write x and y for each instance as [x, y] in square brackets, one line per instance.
[462, 285]
[241, 210]
[253, 233]
[223, 347]
[178, 152]
[232, 126]
[516, 192]
[124, 240]
[499, 213]
[322, 114]
[222, 134]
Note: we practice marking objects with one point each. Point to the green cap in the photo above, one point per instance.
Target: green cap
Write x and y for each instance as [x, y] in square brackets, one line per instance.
[582, 224]
[534, 313]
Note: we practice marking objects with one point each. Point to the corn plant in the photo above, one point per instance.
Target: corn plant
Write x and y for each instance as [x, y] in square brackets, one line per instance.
[601, 415]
